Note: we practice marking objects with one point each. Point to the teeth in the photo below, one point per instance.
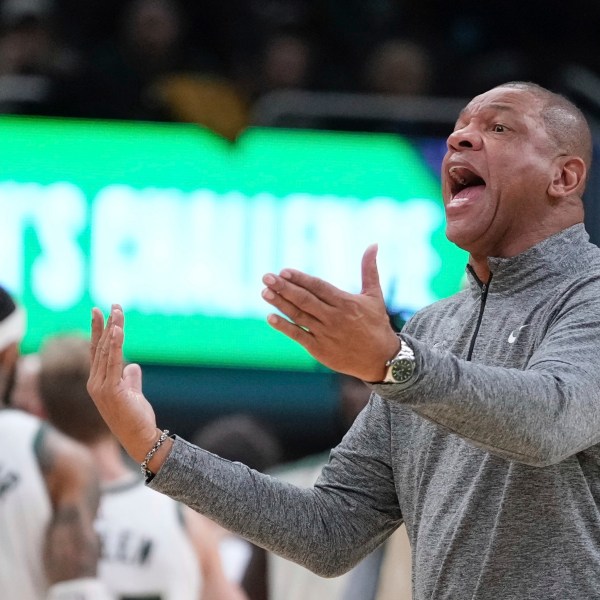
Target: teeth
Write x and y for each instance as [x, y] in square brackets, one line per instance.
[453, 172]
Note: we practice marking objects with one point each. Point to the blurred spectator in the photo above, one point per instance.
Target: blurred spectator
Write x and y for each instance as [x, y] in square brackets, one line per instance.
[39, 73]
[153, 71]
[353, 397]
[243, 438]
[25, 394]
[346, 32]
[12, 329]
[399, 67]
[246, 439]
[151, 545]
[26, 77]
[287, 62]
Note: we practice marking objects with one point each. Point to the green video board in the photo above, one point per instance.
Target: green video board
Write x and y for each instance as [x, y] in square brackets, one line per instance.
[179, 225]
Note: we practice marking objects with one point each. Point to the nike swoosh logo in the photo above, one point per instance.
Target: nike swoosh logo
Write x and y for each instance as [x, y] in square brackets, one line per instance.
[512, 338]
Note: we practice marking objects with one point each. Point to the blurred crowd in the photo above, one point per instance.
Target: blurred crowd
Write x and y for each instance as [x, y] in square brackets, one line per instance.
[209, 61]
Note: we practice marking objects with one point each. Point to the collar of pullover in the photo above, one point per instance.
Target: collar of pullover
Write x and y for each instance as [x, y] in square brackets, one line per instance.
[555, 255]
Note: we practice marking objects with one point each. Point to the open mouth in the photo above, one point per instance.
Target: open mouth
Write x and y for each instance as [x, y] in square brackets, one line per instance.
[462, 178]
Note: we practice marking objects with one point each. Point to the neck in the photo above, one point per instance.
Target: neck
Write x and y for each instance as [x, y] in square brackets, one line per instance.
[108, 456]
[480, 265]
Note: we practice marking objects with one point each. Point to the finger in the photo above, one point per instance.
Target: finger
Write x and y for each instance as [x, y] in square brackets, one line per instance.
[132, 376]
[321, 289]
[309, 294]
[117, 315]
[97, 328]
[114, 368]
[370, 274]
[106, 341]
[294, 332]
[291, 311]
[98, 369]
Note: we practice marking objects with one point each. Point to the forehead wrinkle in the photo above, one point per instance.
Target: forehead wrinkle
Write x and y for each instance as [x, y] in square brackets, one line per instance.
[496, 106]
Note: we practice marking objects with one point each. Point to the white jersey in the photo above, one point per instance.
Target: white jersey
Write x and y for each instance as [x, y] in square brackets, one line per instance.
[146, 553]
[25, 509]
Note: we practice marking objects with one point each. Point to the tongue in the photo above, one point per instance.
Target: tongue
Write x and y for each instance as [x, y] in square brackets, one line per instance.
[469, 193]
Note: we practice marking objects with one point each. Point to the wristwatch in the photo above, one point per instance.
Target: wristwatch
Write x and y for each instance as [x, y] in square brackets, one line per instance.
[400, 368]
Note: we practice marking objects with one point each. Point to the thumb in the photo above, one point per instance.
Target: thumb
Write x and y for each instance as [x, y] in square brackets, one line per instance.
[132, 376]
[370, 274]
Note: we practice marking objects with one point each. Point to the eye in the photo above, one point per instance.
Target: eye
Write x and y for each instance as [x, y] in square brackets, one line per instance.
[498, 128]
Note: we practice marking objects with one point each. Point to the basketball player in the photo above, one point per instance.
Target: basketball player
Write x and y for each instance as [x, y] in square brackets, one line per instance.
[48, 496]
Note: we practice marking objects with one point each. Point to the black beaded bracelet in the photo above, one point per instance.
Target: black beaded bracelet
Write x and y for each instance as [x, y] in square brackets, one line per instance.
[159, 442]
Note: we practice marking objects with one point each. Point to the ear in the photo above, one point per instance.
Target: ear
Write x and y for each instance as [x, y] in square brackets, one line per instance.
[568, 177]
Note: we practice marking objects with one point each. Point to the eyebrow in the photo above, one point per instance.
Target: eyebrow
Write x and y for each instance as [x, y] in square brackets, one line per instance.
[494, 106]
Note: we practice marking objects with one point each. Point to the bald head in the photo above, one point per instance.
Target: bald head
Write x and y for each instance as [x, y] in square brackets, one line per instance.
[565, 124]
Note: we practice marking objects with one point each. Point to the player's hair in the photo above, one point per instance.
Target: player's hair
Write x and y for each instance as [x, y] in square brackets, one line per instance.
[64, 370]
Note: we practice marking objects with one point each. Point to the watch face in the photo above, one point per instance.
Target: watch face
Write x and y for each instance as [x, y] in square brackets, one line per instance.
[402, 369]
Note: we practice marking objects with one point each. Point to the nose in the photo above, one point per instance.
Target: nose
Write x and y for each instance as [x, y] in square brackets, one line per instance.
[465, 138]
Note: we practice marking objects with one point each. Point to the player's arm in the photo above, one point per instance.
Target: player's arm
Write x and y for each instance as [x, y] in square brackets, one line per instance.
[216, 585]
[72, 546]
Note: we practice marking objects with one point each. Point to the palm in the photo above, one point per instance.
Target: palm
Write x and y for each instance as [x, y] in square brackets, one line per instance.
[138, 416]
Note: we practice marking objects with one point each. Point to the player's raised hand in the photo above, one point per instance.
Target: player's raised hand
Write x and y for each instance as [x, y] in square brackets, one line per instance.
[349, 333]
